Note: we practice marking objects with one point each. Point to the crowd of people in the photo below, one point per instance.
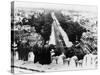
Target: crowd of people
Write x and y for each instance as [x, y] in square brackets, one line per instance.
[32, 35]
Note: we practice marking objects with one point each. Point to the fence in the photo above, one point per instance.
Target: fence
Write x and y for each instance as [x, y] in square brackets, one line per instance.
[89, 61]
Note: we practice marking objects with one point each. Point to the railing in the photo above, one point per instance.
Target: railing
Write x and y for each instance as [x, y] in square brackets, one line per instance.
[89, 61]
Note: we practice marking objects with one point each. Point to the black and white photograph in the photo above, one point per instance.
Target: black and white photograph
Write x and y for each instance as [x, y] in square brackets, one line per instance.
[49, 37]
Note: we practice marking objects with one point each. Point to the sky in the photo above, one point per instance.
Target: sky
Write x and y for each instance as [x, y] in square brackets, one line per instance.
[82, 8]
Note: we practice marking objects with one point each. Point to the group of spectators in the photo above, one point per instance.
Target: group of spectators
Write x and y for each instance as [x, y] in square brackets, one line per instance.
[35, 39]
